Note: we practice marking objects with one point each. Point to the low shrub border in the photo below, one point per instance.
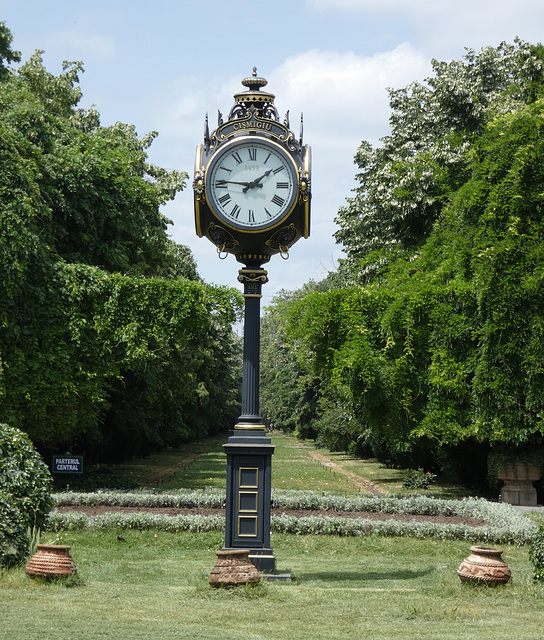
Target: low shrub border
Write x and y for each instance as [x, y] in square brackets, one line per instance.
[503, 523]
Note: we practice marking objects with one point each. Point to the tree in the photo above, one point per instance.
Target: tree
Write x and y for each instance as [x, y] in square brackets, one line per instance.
[289, 393]
[7, 54]
[110, 343]
[440, 349]
[406, 182]
[100, 199]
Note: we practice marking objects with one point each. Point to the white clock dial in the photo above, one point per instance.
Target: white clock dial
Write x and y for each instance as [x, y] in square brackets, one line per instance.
[251, 184]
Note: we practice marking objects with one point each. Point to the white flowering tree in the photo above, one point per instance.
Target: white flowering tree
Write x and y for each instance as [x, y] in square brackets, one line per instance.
[405, 182]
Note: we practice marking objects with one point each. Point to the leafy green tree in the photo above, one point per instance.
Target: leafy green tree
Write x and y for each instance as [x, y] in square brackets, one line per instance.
[448, 347]
[115, 365]
[7, 54]
[406, 182]
[100, 199]
[110, 343]
[289, 395]
[442, 352]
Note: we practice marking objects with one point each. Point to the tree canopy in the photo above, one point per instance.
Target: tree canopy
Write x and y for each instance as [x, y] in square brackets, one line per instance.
[432, 335]
[110, 344]
[406, 182]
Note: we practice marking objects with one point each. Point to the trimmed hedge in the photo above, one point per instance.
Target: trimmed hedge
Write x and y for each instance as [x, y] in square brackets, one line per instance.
[503, 523]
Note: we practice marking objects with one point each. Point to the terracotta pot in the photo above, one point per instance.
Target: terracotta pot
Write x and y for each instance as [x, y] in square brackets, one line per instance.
[51, 561]
[233, 568]
[484, 566]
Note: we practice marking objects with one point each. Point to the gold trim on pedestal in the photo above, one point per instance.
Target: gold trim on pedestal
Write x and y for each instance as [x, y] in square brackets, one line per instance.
[252, 427]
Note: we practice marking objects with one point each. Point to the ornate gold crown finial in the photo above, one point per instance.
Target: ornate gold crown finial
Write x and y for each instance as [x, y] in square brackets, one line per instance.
[254, 83]
[254, 95]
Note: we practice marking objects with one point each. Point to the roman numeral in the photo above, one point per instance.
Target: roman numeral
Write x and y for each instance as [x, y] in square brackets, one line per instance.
[251, 216]
[225, 169]
[224, 199]
[252, 154]
[277, 200]
[282, 185]
[237, 157]
[267, 212]
[235, 211]
[267, 158]
[220, 184]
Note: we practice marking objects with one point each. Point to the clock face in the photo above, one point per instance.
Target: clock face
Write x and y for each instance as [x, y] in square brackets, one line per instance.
[251, 184]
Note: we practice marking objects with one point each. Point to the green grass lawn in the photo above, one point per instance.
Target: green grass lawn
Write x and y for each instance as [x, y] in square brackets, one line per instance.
[292, 468]
[159, 467]
[154, 585]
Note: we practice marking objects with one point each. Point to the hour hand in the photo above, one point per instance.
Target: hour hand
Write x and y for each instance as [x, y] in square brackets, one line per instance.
[257, 182]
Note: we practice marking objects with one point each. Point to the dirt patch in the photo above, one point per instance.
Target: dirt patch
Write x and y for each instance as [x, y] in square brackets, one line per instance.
[299, 513]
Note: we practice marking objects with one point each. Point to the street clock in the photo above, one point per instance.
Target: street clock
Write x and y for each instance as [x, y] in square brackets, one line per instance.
[252, 194]
[252, 180]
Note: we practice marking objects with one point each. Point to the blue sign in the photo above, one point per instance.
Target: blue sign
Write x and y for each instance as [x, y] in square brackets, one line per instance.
[67, 464]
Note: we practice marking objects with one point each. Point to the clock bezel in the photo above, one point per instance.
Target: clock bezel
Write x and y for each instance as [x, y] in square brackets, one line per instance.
[243, 141]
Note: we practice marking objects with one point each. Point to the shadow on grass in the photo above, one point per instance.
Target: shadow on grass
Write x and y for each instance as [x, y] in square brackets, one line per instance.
[359, 576]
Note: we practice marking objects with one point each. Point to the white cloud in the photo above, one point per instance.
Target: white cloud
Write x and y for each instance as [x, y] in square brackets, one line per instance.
[443, 29]
[344, 95]
[344, 100]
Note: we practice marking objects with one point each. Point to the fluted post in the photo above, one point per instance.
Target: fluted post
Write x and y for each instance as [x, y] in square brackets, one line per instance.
[252, 279]
[249, 450]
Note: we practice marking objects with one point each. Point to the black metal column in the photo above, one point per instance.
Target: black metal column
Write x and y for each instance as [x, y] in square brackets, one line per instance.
[249, 451]
[252, 345]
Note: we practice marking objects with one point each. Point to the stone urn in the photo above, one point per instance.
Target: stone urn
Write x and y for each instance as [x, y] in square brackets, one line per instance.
[518, 488]
[233, 568]
[484, 566]
[51, 561]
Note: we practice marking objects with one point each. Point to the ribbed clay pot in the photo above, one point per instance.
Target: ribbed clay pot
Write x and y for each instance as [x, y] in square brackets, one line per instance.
[484, 566]
[51, 561]
[233, 568]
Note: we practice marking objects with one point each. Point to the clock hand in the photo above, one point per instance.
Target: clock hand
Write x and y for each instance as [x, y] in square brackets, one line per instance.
[244, 184]
[257, 182]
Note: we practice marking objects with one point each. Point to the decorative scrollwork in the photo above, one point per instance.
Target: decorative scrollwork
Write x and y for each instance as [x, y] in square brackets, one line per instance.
[221, 237]
[286, 121]
[283, 239]
[253, 280]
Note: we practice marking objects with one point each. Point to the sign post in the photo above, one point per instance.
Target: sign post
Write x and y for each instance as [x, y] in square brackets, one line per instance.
[68, 464]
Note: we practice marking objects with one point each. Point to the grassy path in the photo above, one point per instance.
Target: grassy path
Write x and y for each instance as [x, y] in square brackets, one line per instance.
[363, 483]
[154, 469]
[295, 465]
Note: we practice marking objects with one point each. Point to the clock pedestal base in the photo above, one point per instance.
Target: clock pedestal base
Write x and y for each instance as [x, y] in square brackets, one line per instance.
[247, 524]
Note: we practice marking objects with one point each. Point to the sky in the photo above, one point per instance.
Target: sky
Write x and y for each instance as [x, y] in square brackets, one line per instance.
[164, 65]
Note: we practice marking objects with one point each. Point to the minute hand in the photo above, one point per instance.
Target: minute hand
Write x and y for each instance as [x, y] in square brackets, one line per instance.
[244, 184]
[257, 182]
